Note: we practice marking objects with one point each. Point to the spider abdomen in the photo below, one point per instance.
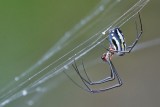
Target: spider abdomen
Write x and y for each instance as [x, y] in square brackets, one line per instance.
[116, 41]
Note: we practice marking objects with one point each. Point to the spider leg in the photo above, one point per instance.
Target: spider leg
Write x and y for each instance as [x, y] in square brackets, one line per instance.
[138, 35]
[75, 82]
[111, 87]
[88, 89]
[88, 81]
[83, 80]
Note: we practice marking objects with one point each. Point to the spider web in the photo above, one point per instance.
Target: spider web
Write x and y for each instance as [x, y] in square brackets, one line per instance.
[32, 82]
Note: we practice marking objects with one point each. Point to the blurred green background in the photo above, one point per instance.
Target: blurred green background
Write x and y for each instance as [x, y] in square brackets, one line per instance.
[28, 29]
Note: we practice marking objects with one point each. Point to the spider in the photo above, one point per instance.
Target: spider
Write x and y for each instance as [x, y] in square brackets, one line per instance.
[117, 46]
